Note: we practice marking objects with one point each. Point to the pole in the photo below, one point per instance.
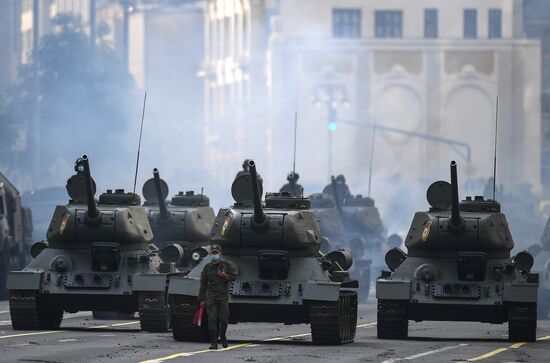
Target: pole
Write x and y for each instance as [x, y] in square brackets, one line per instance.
[371, 157]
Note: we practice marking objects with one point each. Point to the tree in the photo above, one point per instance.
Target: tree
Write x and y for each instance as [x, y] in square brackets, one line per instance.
[85, 97]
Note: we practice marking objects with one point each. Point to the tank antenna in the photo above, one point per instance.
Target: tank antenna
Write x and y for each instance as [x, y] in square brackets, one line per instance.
[139, 143]
[295, 131]
[371, 157]
[202, 193]
[495, 154]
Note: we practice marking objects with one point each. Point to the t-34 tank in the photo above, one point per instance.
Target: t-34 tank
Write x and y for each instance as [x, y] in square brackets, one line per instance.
[179, 226]
[93, 251]
[458, 268]
[541, 253]
[282, 276]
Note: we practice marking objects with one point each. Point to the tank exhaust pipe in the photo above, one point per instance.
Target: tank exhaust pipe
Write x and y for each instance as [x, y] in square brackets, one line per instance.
[456, 221]
[259, 218]
[92, 215]
[164, 214]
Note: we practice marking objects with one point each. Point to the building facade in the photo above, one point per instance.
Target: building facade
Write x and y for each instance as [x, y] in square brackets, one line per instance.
[536, 24]
[427, 73]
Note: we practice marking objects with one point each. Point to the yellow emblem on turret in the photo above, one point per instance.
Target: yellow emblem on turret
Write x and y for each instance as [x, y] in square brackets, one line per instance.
[426, 232]
[66, 217]
[228, 218]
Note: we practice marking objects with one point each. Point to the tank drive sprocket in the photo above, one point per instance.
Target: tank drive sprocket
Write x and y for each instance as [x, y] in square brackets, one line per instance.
[183, 311]
[27, 313]
[392, 322]
[522, 322]
[334, 322]
[154, 313]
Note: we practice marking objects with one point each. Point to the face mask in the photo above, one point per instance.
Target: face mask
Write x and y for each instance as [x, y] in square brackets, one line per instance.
[215, 257]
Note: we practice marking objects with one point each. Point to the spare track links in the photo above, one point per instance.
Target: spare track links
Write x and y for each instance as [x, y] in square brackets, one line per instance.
[522, 322]
[28, 314]
[334, 323]
[392, 320]
[183, 310]
[154, 312]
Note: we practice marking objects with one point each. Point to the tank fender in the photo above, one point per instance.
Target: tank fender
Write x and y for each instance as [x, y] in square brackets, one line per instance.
[24, 280]
[149, 282]
[189, 286]
[393, 289]
[520, 292]
[321, 290]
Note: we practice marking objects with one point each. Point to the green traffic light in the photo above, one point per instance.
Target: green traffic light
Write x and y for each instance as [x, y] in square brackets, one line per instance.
[332, 126]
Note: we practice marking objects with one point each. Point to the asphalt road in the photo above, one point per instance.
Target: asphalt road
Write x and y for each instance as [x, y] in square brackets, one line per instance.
[83, 339]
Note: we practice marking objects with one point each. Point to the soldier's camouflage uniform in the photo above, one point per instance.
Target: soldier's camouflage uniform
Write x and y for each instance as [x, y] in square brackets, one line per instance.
[215, 291]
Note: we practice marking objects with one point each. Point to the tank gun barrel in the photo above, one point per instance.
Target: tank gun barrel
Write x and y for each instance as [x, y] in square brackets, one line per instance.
[92, 212]
[259, 215]
[336, 196]
[456, 219]
[164, 214]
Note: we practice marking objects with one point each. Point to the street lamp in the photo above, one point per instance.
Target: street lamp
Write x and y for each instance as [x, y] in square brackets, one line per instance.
[332, 96]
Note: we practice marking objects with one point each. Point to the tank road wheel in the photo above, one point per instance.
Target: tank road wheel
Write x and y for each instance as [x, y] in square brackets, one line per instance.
[183, 310]
[522, 322]
[392, 319]
[28, 314]
[154, 312]
[334, 323]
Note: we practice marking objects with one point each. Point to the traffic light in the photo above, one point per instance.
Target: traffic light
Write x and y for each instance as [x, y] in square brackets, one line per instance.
[332, 126]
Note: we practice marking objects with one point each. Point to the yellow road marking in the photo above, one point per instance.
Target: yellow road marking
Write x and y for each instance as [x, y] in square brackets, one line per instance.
[64, 330]
[500, 350]
[247, 344]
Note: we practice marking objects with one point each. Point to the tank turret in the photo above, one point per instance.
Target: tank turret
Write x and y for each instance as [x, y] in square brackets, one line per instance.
[178, 226]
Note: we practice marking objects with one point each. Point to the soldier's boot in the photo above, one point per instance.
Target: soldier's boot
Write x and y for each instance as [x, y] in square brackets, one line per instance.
[214, 339]
[214, 344]
[223, 338]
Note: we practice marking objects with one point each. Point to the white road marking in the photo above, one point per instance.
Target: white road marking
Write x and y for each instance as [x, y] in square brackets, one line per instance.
[66, 340]
[430, 352]
[4, 311]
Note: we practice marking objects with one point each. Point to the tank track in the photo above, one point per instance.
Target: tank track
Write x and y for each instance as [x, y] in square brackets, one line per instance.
[522, 322]
[392, 321]
[183, 310]
[27, 314]
[334, 323]
[154, 312]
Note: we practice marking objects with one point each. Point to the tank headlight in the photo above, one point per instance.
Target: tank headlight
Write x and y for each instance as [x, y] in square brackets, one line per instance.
[172, 253]
[196, 256]
[523, 261]
[394, 258]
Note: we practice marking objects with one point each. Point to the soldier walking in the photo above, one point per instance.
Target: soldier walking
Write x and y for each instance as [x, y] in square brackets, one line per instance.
[214, 292]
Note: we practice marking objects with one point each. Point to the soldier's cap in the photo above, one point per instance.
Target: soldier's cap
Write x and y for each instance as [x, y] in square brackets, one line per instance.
[216, 248]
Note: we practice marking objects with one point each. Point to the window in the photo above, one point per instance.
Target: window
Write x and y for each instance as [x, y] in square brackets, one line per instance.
[470, 23]
[495, 23]
[346, 23]
[388, 24]
[430, 23]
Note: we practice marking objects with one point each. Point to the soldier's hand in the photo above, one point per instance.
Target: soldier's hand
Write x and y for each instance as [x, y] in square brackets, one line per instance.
[221, 273]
